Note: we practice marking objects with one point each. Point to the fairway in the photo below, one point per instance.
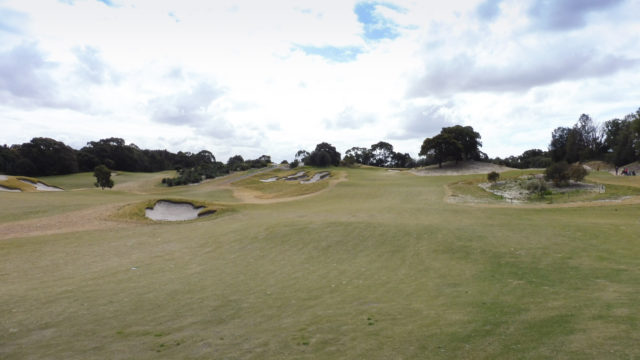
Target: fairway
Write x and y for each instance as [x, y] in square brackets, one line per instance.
[368, 264]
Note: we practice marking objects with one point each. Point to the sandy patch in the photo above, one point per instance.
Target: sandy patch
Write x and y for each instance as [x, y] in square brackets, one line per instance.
[171, 211]
[462, 168]
[2, 188]
[315, 178]
[40, 186]
[297, 176]
[271, 179]
[4, 177]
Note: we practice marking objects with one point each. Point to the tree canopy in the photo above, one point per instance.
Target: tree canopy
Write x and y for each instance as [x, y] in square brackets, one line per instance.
[453, 143]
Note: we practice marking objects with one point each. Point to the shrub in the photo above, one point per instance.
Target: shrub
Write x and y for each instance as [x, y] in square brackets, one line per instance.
[294, 164]
[536, 186]
[577, 172]
[493, 176]
[558, 173]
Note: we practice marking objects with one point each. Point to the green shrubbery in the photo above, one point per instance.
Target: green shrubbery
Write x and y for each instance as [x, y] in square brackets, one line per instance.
[493, 176]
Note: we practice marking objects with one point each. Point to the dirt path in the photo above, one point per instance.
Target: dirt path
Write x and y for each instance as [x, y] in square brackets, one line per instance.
[252, 197]
[88, 219]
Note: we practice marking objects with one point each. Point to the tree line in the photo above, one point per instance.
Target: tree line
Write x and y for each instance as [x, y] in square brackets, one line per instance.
[615, 141]
[45, 156]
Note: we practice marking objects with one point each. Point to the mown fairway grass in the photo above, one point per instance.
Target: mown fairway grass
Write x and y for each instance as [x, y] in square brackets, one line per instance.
[378, 267]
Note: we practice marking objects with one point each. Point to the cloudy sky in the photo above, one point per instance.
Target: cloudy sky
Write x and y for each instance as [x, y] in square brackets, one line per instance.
[271, 77]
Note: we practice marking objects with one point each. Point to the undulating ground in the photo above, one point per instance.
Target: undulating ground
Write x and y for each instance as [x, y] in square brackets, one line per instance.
[374, 265]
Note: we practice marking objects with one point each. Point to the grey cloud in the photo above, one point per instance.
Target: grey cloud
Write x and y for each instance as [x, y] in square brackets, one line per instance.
[91, 67]
[423, 121]
[350, 118]
[463, 74]
[566, 14]
[25, 78]
[488, 10]
[185, 108]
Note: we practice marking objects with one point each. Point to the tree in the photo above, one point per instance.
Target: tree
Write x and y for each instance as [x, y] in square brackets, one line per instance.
[360, 155]
[468, 139]
[302, 156]
[49, 157]
[318, 159]
[442, 147]
[103, 177]
[558, 173]
[493, 176]
[381, 154]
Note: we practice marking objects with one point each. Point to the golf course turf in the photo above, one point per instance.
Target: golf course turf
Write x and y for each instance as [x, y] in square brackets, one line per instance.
[366, 264]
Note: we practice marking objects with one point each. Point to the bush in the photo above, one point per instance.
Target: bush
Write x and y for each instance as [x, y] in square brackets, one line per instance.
[536, 186]
[577, 172]
[558, 173]
[294, 164]
[493, 176]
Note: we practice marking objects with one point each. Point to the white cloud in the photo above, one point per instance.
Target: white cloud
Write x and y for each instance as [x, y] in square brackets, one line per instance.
[234, 76]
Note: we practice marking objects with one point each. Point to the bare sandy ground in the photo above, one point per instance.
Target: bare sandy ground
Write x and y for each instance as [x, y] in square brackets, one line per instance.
[462, 168]
[170, 211]
[4, 177]
[42, 187]
[89, 219]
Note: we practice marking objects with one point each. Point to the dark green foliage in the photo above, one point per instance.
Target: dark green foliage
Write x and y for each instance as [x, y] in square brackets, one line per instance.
[45, 156]
[453, 143]
[381, 154]
[534, 158]
[493, 176]
[103, 177]
[302, 156]
[441, 148]
[576, 172]
[558, 173]
[325, 154]
[294, 164]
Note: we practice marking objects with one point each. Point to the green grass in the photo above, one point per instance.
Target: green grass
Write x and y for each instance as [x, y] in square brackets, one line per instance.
[378, 267]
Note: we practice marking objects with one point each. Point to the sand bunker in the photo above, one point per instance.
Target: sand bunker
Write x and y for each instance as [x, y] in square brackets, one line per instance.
[296, 176]
[173, 211]
[317, 177]
[40, 186]
[2, 188]
[271, 179]
[462, 168]
[4, 177]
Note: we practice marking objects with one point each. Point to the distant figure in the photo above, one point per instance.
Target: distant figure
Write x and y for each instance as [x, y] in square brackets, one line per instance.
[617, 171]
[633, 173]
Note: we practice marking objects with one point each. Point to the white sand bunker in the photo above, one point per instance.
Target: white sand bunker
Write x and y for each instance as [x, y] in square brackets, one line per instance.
[174, 211]
[2, 188]
[271, 179]
[296, 176]
[4, 177]
[40, 186]
[317, 177]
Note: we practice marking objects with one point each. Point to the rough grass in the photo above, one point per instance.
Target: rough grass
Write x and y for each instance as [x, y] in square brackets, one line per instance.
[379, 267]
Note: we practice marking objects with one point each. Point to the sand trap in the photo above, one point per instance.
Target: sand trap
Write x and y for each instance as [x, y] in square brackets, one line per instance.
[462, 168]
[41, 187]
[317, 177]
[171, 211]
[4, 177]
[2, 188]
[296, 176]
[271, 179]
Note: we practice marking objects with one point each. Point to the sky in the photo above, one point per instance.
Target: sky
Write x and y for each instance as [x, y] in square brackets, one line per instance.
[273, 77]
